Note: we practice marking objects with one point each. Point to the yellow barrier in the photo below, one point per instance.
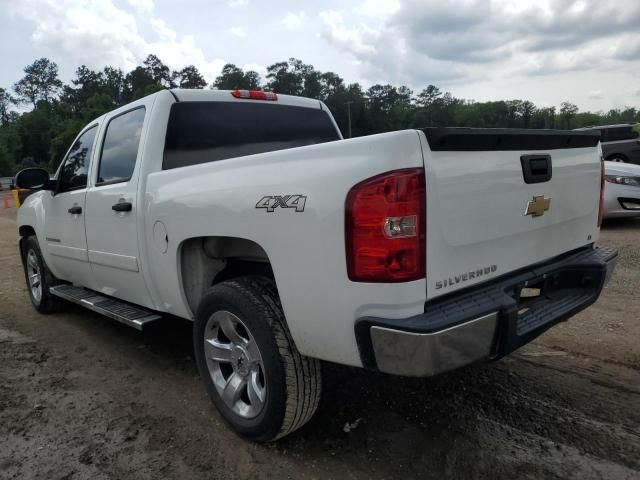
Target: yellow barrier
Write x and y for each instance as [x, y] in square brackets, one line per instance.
[16, 198]
[16, 194]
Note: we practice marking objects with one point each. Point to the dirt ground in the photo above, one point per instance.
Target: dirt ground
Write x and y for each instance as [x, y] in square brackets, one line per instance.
[83, 397]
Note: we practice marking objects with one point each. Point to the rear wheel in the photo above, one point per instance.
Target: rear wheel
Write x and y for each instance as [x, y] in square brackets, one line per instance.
[262, 386]
[39, 278]
[617, 158]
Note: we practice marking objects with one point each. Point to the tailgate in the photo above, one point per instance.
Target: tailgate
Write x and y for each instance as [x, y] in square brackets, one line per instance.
[484, 220]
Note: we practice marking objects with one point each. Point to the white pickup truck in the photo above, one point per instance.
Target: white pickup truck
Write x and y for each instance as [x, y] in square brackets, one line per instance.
[412, 252]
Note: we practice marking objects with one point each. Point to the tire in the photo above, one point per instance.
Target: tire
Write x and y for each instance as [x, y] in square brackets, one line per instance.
[617, 158]
[33, 265]
[247, 340]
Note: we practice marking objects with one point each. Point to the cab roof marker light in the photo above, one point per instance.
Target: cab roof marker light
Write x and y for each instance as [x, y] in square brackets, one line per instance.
[255, 95]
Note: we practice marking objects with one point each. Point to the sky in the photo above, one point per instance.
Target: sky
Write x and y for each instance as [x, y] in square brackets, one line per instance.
[547, 51]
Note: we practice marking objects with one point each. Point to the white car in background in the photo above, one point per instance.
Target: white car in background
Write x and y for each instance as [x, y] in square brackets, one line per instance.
[621, 190]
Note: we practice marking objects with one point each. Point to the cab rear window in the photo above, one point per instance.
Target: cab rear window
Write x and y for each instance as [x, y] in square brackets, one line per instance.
[201, 132]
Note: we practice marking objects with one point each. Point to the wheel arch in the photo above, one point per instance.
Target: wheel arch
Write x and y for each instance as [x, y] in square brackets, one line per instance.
[25, 231]
[208, 260]
[617, 155]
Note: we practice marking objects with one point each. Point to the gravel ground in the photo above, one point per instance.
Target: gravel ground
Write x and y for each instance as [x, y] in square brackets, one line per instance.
[84, 397]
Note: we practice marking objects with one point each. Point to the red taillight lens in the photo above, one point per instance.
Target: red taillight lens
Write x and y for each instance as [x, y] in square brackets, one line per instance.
[255, 95]
[601, 206]
[385, 227]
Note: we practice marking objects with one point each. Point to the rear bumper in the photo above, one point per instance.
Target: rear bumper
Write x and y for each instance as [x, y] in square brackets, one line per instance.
[487, 321]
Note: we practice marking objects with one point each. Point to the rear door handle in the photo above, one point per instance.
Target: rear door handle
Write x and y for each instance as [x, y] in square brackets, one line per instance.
[75, 210]
[122, 207]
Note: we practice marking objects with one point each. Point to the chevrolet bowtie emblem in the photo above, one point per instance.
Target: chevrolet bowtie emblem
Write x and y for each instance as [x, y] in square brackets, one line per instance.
[537, 206]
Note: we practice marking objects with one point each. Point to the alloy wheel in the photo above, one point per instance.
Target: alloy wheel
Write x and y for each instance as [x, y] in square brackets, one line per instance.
[235, 364]
[34, 275]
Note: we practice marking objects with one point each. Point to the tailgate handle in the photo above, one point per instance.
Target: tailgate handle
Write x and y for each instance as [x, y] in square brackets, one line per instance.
[536, 168]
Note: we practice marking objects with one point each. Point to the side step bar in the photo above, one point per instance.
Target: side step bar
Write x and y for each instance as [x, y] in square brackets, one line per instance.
[132, 315]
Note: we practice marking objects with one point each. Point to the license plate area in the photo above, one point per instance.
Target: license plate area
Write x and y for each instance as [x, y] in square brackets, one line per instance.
[531, 293]
[541, 300]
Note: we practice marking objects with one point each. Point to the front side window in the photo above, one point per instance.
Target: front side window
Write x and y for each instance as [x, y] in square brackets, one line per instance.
[73, 174]
[120, 147]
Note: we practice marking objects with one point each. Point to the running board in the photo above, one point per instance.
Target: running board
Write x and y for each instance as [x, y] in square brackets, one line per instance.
[132, 315]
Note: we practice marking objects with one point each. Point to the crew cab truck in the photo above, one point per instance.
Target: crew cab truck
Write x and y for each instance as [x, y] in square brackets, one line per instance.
[412, 252]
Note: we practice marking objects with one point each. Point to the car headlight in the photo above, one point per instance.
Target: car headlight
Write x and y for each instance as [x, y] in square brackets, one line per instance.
[631, 181]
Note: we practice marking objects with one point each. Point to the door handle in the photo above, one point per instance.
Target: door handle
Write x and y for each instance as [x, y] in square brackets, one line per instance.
[75, 210]
[122, 207]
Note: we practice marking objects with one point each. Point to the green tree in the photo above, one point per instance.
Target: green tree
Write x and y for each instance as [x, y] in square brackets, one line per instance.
[7, 166]
[345, 102]
[116, 86]
[40, 83]
[294, 77]
[252, 80]
[5, 105]
[35, 130]
[526, 110]
[188, 77]
[233, 77]
[426, 101]
[138, 82]
[282, 79]
[43, 135]
[157, 70]
[567, 111]
[86, 84]
[331, 83]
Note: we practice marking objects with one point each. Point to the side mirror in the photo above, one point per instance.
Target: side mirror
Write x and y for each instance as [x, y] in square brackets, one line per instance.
[34, 179]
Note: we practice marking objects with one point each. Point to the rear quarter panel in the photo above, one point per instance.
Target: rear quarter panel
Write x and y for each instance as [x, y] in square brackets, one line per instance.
[306, 249]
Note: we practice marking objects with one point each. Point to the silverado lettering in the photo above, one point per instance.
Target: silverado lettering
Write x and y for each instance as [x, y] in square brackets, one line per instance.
[447, 282]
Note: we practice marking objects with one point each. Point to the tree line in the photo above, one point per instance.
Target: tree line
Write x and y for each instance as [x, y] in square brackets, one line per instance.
[40, 115]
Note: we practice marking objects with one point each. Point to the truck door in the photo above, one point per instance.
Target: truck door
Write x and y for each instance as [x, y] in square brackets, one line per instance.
[64, 225]
[112, 211]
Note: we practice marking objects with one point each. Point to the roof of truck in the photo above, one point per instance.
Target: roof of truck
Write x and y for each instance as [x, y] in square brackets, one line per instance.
[197, 95]
[202, 95]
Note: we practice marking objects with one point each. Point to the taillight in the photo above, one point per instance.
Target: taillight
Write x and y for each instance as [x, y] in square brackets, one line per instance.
[601, 206]
[385, 227]
[255, 95]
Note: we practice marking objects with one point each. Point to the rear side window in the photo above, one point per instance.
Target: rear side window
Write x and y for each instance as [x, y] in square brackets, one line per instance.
[621, 133]
[120, 147]
[201, 132]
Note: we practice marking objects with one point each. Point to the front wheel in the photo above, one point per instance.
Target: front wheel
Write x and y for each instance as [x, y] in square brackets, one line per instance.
[39, 278]
[262, 386]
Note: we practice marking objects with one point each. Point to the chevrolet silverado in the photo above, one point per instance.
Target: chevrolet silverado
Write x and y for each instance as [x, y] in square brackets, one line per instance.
[412, 252]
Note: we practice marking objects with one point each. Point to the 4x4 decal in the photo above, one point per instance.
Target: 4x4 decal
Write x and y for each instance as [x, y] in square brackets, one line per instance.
[271, 202]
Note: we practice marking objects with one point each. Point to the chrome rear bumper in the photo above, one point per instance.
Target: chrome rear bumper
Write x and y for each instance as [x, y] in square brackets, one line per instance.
[427, 354]
[485, 321]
